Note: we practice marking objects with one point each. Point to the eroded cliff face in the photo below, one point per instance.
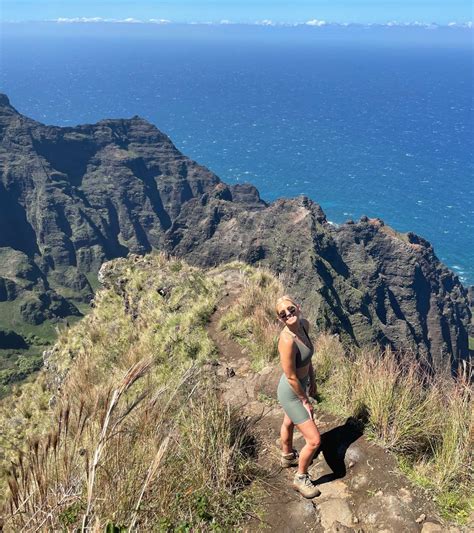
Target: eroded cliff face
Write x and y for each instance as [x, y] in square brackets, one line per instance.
[71, 198]
[364, 281]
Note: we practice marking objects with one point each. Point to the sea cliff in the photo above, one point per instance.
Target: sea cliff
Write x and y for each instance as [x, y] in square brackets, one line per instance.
[72, 198]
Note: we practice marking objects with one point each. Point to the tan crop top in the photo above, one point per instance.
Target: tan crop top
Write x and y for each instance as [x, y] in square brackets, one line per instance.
[304, 353]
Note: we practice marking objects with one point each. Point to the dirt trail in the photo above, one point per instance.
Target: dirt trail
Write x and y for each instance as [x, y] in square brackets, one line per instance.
[361, 490]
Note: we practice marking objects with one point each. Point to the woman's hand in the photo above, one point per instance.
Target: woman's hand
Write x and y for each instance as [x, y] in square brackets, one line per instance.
[307, 405]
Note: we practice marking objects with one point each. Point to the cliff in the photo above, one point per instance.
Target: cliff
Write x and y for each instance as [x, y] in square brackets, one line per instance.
[71, 198]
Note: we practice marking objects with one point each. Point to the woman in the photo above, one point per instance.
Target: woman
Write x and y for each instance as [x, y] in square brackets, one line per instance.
[296, 351]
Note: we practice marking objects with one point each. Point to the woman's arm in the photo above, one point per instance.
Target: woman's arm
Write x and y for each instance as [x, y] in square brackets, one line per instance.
[312, 381]
[287, 349]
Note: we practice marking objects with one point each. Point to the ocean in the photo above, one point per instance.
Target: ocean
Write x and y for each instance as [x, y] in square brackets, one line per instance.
[365, 121]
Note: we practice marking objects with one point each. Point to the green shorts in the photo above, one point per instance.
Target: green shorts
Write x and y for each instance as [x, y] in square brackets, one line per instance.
[290, 402]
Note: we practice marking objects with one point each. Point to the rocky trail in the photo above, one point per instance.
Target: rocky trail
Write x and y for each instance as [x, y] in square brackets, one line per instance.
[361, 489]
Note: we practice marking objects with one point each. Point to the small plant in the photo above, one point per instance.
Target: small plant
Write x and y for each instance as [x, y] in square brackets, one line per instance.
[70, 515]
[264, 398]
[176, 266]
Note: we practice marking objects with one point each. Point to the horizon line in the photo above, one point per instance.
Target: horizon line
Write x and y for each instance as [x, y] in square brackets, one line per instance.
[314, 23]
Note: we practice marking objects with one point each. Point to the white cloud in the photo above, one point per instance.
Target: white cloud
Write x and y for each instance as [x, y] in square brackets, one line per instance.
[130, 20]
[316, 22]
[460, 24]
[265, 22]
[81, 19]
[397, 24]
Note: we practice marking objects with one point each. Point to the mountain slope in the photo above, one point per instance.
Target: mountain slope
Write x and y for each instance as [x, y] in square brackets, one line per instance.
[71, 198]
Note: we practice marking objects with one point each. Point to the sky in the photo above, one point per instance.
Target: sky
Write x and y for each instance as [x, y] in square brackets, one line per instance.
[243, 11]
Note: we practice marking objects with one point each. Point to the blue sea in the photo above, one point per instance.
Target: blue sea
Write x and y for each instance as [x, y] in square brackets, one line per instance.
[365, 121]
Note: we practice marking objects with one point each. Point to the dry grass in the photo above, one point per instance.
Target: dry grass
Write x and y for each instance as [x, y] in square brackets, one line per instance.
[427, 421]
[174, 457]
[137, 437]
[251, 321]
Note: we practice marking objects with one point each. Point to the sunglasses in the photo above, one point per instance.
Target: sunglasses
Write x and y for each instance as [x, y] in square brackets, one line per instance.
[284, 315]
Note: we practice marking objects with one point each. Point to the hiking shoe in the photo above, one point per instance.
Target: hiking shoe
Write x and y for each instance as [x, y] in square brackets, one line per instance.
[289, 459]
[303, 484]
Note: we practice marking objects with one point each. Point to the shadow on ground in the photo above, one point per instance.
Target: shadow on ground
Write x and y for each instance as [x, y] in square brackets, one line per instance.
[334, 445]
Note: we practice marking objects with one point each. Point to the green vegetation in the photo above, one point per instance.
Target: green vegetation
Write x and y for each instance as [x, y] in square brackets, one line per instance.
[136, 436]
[93, 280]
[31, 312]
[18, 364]
[471, 344]
[426, 421]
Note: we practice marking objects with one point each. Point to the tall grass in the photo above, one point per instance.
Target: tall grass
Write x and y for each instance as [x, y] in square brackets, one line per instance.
[428, 421]
[175, 458]
[137, 437]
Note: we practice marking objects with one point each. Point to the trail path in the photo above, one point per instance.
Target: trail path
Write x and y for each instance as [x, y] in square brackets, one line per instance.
[361, 490]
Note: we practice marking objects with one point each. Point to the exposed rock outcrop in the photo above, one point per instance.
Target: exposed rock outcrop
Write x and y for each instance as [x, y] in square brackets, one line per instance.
[71, 198]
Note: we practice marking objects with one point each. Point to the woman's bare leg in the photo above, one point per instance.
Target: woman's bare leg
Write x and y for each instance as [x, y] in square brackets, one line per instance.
[286, 435]
[313, 440]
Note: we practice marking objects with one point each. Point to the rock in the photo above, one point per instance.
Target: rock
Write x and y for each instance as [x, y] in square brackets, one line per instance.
[238, 392]
[337, 489]
[267, 370]
[359, 481]
[405, 495]
[267, 383]
[337, 527]
[388, 512]
[431, 527]
[421, 518]
[308, 509]
[353, 455]
[221, 371]
[335, 511]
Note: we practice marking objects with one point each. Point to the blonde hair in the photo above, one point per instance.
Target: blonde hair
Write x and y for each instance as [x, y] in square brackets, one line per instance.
[285, 298]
